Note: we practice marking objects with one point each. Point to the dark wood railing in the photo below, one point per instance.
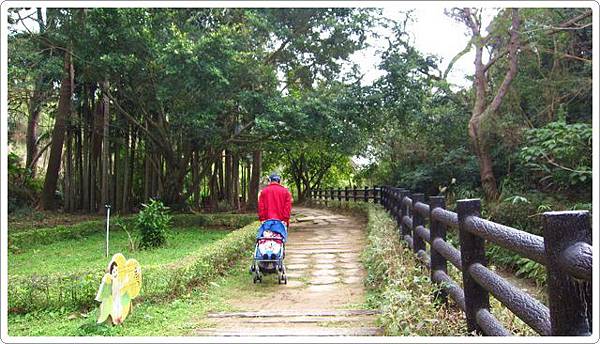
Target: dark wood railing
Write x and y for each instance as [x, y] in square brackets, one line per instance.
[565, 250]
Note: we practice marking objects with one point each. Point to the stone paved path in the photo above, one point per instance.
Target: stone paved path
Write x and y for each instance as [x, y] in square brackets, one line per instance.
[324, 290]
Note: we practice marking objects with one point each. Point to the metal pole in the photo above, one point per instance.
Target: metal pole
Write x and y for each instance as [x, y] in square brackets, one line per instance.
[107, 206]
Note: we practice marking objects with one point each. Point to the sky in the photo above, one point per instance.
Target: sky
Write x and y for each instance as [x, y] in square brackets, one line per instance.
[432, 32]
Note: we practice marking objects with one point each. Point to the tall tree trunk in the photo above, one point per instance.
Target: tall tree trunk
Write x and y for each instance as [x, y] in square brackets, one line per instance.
[47, 200]
[105, 149]
[196, 178]
[119, 173]
[254, 180]
[68, 171]
[229, 177]
[235, 181]
[129, 169]
[95, 156]
[243, 184]
[35, 109]
[214, 185]
[31, 139]
[147, 171]
[481, 112]
[79, 163]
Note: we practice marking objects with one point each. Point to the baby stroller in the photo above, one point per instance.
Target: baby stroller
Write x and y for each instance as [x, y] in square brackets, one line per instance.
[269, 251]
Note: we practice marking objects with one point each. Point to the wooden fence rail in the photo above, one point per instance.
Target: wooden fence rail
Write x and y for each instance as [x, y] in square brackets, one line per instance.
[565, 250]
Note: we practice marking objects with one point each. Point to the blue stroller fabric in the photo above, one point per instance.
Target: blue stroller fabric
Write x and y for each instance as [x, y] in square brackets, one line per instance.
[274, 226]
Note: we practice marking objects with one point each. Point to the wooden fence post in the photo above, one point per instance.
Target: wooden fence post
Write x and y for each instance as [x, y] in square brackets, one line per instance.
[346, 194]
[570, 299]
[339, 194]
[366, 194]
[418, 242]
[396, 207]
[472, 250]
[404, 212]
[375, 193]
[438, 231]
[354, 194]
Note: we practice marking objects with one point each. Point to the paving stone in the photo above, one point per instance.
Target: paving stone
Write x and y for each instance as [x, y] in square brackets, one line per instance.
[323, 280]
[324, 272]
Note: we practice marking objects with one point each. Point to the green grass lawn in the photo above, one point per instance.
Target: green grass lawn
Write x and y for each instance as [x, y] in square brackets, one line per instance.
[88, 253]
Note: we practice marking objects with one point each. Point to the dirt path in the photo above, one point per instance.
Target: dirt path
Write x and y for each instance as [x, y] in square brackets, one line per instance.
[324, 295]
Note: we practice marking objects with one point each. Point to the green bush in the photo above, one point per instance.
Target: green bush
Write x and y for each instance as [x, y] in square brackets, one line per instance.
[559, 155]
[23, 190]
[71, 291]
[153, 224]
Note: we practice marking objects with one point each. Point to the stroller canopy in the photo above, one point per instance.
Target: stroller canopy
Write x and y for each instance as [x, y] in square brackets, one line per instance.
[275, 226]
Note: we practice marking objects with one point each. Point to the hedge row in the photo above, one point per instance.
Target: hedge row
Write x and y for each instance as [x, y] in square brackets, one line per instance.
[57, 233]
[76, 291]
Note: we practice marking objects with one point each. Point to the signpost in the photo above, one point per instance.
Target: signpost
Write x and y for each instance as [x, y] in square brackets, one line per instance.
[107, 206]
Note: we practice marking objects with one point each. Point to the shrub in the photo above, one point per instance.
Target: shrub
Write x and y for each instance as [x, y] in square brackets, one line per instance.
[559, 155]
[153, 224]
[23, 189]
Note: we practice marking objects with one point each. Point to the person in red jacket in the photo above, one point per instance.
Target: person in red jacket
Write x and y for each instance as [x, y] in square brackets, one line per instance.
[275, 201]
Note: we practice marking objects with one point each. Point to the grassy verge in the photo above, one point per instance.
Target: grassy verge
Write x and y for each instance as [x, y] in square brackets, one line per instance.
[401, 287]
[70, 291]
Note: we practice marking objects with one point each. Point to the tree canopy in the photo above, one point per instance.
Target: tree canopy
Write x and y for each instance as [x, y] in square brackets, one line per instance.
[195, 105]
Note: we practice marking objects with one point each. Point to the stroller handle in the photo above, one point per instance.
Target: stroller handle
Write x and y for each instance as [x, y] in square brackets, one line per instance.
[270, 238]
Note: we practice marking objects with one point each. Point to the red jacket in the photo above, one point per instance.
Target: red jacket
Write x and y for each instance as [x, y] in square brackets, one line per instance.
[275, 202]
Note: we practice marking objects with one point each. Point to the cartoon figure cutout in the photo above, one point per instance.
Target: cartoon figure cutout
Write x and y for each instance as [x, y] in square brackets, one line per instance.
[120, 285]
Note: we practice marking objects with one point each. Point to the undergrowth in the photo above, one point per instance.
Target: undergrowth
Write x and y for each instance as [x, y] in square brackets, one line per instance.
[402, 289]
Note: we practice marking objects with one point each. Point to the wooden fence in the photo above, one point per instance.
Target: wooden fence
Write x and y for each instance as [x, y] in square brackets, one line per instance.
[565, 250]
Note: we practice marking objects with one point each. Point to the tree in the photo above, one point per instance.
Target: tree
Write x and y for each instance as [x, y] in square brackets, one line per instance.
[483, 112]
[48, 200]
